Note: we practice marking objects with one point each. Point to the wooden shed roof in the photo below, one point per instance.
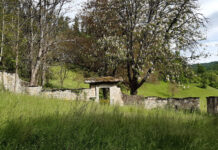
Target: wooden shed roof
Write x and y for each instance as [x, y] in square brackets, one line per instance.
[108, 79]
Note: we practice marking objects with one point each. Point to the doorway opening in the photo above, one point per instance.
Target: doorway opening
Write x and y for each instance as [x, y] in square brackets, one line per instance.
[104, 96]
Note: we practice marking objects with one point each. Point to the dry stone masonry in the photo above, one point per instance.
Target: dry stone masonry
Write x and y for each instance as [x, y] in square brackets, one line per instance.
[8, 81]
[190, 103]
[212, 105]
[115, 94]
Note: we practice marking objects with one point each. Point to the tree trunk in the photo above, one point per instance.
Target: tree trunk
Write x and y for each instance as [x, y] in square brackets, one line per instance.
[133, 91]
[2, 41]
[134, 86]
[3, 30]
[17, 49]
[31, 40]
[62, 74]
[61, 77]
[44, 69]
[35, 69]
[33, 81]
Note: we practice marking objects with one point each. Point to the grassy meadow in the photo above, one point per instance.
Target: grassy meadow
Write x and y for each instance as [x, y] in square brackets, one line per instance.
[30, 123]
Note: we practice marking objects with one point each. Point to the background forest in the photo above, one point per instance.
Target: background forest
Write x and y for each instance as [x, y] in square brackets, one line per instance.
[132, 41]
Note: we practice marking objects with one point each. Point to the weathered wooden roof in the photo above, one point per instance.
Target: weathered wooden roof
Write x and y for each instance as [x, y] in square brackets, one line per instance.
[108, 79]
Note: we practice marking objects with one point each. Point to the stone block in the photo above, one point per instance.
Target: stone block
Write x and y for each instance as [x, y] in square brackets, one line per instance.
[34, 90]
[212, 105]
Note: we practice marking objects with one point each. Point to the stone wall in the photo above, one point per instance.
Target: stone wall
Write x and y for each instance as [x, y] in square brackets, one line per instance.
[212, 105]
[133, 99]
[77, 94]
[33, 90]
[116, 96]
[59, 94]
[8, 81]
[189, 103]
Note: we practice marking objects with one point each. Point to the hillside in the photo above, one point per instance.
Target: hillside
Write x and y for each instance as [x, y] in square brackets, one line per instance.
[212, 66]
[37, 123]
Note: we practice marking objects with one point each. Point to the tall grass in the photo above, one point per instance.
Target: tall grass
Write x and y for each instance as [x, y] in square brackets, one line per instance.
[37, 123]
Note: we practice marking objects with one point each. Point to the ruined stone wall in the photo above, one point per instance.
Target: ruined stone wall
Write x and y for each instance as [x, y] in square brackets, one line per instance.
[212, 105]
[77, 94]
[33, 90]
[155, 102]
[133, 99]
[189, 103]
[58, 94]
[116, 96]
[8, 81]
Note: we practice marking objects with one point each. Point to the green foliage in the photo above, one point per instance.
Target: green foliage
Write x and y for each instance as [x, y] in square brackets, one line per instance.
[76, 26]
[206, 75]
[200, 69]
[36, 123]
[213, 79]
[213, 66]
[8, 61]
[203, 82]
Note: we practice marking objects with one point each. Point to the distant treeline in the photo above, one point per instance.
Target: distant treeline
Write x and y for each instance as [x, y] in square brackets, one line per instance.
[207, 74]
[212, 66]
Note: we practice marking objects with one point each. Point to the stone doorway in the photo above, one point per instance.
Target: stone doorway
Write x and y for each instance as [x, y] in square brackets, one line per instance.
[114, 94]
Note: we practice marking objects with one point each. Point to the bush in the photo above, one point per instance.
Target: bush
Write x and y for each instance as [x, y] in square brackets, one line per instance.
[204, 82]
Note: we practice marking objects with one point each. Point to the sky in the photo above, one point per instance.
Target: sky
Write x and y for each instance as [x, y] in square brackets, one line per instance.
[207, 7]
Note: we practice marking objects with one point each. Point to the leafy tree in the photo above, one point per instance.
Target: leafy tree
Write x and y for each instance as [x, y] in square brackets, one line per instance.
[30, 32]
[145, 36]
[76, 26]
[204, 81]
[201, 69]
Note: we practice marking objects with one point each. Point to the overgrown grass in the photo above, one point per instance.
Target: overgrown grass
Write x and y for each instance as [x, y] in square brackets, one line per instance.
[37, 123]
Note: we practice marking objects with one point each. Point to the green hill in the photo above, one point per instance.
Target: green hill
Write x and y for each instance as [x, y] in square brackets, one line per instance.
[212, 66]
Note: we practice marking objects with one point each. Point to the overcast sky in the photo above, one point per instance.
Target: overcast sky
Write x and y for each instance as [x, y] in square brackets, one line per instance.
[208, 7]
